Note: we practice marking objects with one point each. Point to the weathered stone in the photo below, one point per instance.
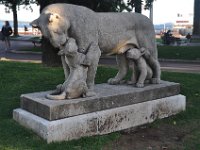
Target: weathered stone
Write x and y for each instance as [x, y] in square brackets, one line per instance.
[109, 96]
[101, 122]
[96, 33]
[75, 85]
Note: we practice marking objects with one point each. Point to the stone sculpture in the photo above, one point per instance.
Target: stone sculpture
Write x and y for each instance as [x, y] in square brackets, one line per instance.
[141, 70]
[75, 86]
[96, 33]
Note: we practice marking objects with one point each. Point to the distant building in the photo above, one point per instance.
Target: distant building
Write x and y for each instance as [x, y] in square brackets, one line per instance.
[180, 27]
[183, 24]
[161, 28]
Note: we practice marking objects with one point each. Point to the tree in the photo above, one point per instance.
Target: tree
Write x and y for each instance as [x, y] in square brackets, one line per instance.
[137, 4]
[13, 4]
[196, 22]
[96, 5]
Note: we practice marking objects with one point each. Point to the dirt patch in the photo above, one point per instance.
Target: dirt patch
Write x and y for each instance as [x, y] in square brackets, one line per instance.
[165, 137]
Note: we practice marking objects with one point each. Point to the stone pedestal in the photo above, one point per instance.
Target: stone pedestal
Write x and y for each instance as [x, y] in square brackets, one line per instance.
[116, 107]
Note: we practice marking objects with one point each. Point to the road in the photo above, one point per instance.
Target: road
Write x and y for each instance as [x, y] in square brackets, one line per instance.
[189, 67]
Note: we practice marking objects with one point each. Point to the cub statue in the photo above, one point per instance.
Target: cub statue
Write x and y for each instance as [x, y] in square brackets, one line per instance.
[142, 72]
[98, 33]
[75, 86]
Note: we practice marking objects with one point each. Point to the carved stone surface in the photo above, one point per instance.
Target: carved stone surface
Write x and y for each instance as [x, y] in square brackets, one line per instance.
[109, 96]
[101, 122]
[82, 35]
[111, 33]
[75, 85]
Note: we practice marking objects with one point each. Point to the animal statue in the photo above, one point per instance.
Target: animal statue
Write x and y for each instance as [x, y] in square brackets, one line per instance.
[75, 86]
[142, 72]
[98, 33]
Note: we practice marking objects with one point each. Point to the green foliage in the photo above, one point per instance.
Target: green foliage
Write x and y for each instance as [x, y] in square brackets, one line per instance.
[179, 52]
[148, 4]
[10, 3]
[33, 49]
[96, 5]
[101, 5]
[138, 4]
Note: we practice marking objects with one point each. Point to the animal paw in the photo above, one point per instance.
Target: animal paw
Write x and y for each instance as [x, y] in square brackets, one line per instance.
[122, 81]
[89, 94]
[147, 81]
[113, 81]
[130, 82]
[61, 52]
[139, 85]
[155, 80]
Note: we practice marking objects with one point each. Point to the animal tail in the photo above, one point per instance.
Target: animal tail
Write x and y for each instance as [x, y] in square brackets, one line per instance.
[61, 96]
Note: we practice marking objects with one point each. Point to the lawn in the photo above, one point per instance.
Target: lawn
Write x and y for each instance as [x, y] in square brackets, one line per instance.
[179, 52]
[165, 52]
[18, 78]
[33, 49]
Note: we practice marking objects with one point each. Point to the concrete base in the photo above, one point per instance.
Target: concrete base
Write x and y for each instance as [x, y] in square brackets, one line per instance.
[108, 97]
[101, 122]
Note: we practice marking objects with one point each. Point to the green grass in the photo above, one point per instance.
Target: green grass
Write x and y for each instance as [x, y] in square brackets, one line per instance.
[33, 49]
[36, 38]
[179, 52]
[18, 78]
[188, 121]
[159, 40]
[166, 52]
[195, 40]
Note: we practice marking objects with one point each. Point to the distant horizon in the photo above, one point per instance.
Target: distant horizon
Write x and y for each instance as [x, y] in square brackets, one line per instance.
[12, 21]
[21, 24]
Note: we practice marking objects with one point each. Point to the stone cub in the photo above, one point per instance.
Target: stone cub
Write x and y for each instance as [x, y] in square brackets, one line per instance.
[142, 65]
[75, 85]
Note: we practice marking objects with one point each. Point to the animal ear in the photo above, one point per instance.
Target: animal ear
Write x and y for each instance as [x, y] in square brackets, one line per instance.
[53, 17]
[35, 23]
[143, 51]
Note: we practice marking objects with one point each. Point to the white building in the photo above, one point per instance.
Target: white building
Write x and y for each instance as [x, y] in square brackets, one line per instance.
[183, 24]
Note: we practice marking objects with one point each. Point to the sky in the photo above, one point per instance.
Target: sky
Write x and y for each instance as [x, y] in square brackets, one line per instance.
[23, 13]
[165, 11]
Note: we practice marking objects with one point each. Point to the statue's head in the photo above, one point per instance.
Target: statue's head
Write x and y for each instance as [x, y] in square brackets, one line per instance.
[53, 27]
[135, 53]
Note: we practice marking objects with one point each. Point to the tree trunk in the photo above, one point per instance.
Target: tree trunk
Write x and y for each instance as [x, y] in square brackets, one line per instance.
[196, 23]
[138, 8]
[137, 5]
[15, 20]
[49, 54]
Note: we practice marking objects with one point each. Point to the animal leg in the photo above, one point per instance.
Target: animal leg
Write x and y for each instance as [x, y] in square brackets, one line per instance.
[155, 66]
[123, 69]
[64, 63]
[134, 75]
[142, 66]
[91, 60]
